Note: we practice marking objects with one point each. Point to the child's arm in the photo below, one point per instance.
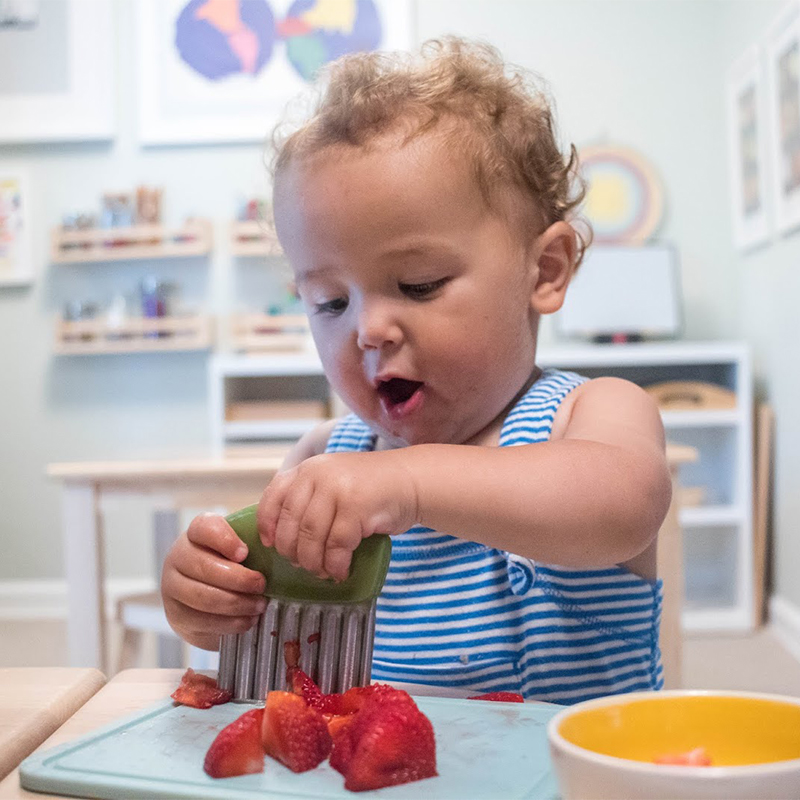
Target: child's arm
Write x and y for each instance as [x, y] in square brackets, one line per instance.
[205, 589]
[594, 495]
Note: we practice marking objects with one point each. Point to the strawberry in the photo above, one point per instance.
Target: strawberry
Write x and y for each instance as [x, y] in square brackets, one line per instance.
[294, 733]
[388, 742]
[354, 698]
[291, 654]
[500, 697]
[304, 686]
[237, 750]
[199, 691]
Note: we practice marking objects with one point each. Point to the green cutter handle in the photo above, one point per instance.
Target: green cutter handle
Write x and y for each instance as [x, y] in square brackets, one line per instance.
[365, 581]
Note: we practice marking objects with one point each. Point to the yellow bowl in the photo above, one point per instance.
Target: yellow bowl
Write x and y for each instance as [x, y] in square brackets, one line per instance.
[605, 749]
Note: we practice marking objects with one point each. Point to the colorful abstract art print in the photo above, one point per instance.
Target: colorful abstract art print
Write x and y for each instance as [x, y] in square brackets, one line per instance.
[15, 251]
[225, 70]
[624, 200]
[783, 73]
[747, 150]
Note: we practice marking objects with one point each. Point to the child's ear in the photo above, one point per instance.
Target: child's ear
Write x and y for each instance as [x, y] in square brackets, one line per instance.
[553, 261]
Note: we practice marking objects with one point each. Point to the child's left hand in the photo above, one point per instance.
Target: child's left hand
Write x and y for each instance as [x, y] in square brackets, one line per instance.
[317, 513]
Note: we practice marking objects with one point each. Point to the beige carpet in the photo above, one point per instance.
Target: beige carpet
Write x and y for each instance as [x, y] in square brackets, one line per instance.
[755, 662]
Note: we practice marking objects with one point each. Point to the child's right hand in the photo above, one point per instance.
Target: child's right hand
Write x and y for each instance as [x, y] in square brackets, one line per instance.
[205, 589]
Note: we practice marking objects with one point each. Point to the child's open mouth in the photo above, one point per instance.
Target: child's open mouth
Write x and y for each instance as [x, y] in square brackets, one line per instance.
[399, 396]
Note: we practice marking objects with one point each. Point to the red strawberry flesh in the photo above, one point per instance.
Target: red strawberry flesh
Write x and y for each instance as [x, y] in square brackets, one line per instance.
[500, 697]
[199, 691]
[294, 733]
[237, 749]
[389, 742]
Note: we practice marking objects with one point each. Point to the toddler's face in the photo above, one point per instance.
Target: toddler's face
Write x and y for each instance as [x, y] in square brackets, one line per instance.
[418, 296]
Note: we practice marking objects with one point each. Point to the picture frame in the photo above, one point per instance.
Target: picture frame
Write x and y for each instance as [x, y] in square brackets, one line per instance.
[782, 51]
[57, 74]
[201, 83]
[16, 266]
[748, 135]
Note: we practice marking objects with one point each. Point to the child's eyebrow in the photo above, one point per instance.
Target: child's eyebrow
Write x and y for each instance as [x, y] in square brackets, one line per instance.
[419, 249]
[314, 272]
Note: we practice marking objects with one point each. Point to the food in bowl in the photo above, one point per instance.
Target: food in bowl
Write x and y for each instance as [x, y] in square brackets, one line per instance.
[606, 748]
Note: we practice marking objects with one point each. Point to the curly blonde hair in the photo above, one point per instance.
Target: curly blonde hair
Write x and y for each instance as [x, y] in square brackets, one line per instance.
[503, 120]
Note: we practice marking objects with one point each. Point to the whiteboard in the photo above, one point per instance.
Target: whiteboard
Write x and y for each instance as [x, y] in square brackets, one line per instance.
[623, 290]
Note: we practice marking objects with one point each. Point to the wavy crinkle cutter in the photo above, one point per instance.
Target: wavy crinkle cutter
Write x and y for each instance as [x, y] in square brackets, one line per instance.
[334, 623]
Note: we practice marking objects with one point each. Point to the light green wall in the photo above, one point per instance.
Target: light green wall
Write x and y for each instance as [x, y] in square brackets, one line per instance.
[648, 73]
[769, 281]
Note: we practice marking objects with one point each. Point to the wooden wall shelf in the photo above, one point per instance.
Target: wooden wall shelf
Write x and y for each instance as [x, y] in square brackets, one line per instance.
[253, 238]
[269, 333]
[125, 244]
[157, 334]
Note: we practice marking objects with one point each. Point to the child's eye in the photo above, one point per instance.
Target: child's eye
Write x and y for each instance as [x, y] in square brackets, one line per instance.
[419, 291]
[333, 307]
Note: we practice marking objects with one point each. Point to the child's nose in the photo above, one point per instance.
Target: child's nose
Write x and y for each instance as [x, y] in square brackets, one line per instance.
[377, 328]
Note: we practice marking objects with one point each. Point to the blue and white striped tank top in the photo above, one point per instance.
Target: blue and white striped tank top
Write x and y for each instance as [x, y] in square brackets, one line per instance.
[459, 614]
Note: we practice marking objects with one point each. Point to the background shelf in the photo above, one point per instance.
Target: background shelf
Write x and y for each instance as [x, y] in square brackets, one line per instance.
[136, 242]
[155, 334]
[253, 238]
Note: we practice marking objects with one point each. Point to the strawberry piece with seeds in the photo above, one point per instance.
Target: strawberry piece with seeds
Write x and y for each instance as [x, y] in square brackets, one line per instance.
[199, 691]
[237, 750]
[294, 733]
[305, 686]
[353, 699]
[388, 742]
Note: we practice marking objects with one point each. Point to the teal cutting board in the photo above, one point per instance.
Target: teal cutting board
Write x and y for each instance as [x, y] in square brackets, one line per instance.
[484, 750]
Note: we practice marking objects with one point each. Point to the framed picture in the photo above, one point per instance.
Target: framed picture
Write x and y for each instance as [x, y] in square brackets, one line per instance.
[56, 71]
[748, 150]
[16, 267]
[783, 74]
[224, 70]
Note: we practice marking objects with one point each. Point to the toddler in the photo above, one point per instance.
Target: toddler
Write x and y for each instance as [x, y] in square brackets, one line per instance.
[429, 219]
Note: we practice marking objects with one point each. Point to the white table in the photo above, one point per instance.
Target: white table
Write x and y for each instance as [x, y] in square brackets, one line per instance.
[203, 482]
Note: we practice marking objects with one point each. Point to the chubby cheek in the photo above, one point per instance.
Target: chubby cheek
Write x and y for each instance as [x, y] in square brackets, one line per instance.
[345, 373]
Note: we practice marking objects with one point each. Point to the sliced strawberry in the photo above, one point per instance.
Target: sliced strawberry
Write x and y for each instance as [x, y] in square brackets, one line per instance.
[500, 697]
[388, 742]
[294, 733]
[305, 686]
[353, 699]
[237, 750]
[291, 653]
[336, 722]
[199, 691]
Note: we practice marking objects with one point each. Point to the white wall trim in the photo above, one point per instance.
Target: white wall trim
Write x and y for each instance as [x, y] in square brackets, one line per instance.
[784, 620]
[37, 599]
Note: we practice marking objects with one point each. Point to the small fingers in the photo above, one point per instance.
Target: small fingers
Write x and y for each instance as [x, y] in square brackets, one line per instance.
[293, 509]
[194, 624]
[343, 539]
[312, 534]
[270, 505]
[214, 532]
[209, 598]
[207, 566]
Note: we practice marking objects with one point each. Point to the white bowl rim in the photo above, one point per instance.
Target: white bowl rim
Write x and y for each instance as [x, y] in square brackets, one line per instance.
[690, 772]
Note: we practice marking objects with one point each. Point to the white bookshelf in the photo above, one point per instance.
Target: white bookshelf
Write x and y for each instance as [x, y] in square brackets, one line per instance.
[717, 532]
[280, 378]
